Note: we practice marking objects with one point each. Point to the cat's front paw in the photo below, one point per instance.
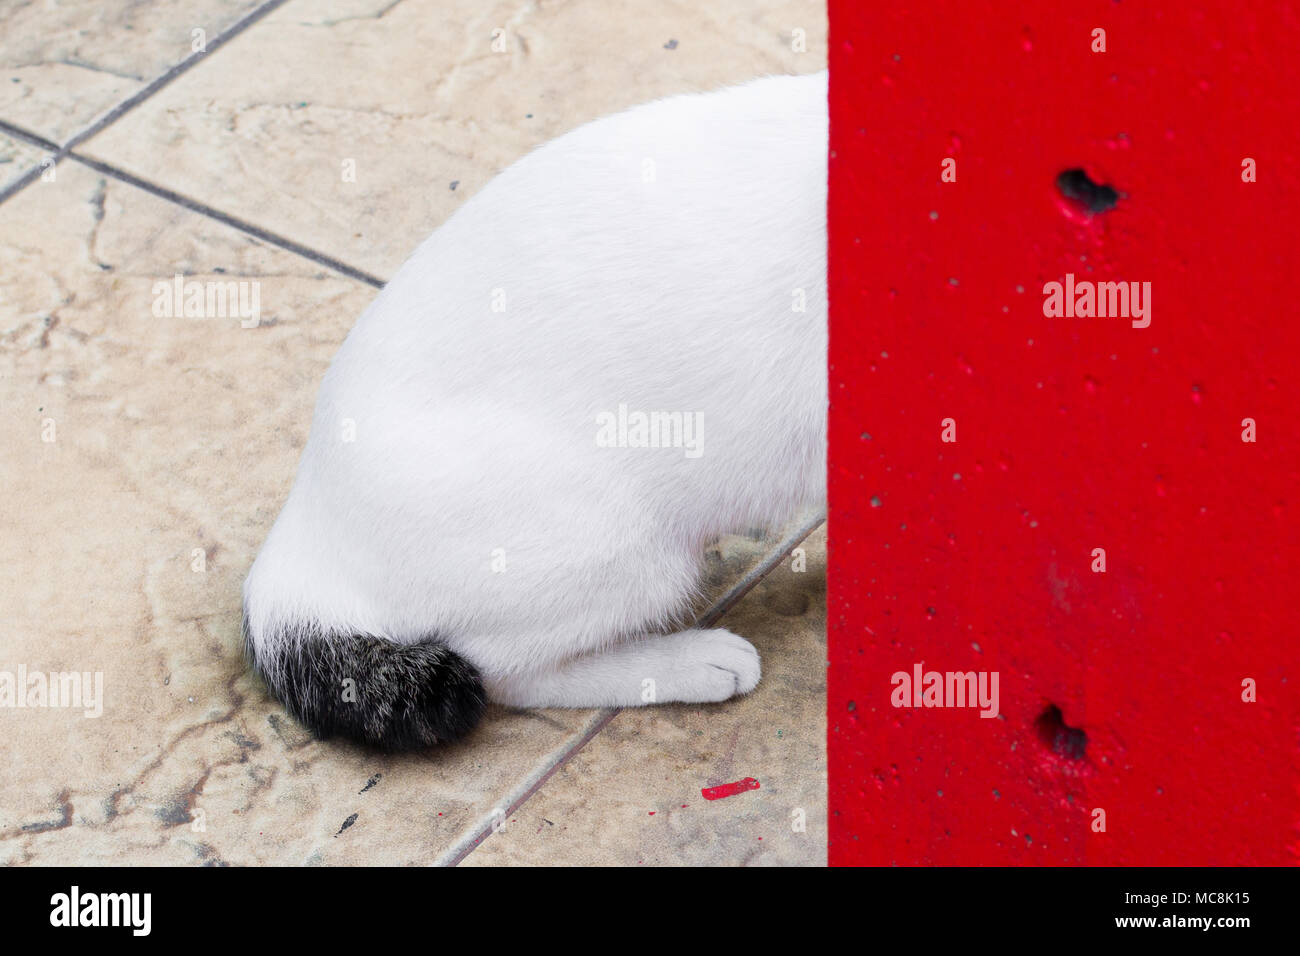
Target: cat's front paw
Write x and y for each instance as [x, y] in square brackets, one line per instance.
[713, 665]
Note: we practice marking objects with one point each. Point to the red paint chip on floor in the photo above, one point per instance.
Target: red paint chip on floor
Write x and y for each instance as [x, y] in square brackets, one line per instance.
[729, 789]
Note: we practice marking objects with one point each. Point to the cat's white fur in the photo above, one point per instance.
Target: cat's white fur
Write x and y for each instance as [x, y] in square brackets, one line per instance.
[453, 487]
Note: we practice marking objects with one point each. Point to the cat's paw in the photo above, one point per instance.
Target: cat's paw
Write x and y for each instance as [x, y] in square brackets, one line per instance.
[713, 665]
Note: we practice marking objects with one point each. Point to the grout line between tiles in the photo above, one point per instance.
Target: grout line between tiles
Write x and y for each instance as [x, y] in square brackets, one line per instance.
[472, 840]
[27, 136]
[158, 82]
[32, 140]
[66, 151]
[257, 232]
[128, 104]
[193, 205]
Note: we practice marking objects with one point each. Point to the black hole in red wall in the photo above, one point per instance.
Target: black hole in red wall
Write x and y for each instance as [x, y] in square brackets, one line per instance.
[1077, 186]
[1069, 742]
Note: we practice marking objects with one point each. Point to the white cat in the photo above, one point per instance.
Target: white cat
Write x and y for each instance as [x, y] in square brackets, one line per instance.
[481, 508]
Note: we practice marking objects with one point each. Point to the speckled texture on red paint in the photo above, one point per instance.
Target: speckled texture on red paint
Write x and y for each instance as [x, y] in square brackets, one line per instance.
[1073, 434]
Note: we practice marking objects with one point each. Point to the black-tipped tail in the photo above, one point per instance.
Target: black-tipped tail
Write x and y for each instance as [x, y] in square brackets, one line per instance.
[370, 690]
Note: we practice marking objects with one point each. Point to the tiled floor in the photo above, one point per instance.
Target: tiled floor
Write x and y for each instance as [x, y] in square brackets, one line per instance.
[144, 458]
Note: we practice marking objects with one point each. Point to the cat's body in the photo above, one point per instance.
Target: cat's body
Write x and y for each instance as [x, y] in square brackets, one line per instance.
[458, 524]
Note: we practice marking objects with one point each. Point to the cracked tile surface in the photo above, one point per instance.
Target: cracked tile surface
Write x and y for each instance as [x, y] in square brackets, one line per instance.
[64, 64]
[127, 537]
[413, 99]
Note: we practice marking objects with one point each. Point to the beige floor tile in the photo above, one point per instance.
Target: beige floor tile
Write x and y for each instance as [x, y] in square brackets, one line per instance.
[17, 158]
[145, 458]
[633, 795]
[126, 537]
[64, 63]
[412, 97]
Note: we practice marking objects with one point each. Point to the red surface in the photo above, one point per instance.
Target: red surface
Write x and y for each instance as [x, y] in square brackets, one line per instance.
[729, 789]
[1073, 434]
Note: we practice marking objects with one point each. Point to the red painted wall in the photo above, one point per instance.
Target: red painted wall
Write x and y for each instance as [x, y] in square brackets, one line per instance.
[1072, 433]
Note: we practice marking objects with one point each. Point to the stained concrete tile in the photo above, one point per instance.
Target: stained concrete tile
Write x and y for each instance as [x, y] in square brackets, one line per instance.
[356, 126]
[63, 63]
[17, 159]
[125, 538]
[632, 796]
[146, 458]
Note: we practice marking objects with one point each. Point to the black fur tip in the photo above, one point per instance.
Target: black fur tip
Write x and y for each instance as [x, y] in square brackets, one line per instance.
[375, 692]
